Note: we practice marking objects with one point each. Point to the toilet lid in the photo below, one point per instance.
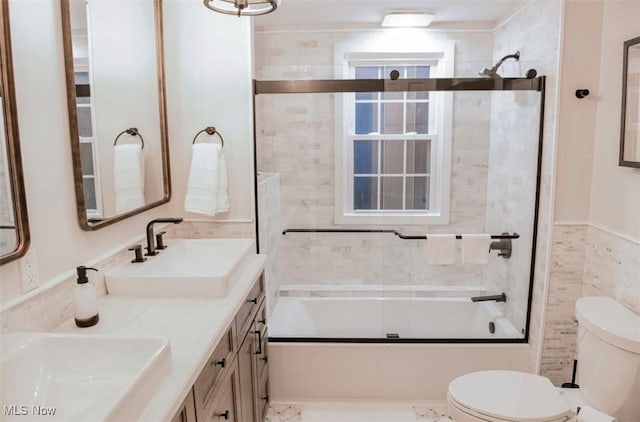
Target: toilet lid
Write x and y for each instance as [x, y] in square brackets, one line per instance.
[509, 395]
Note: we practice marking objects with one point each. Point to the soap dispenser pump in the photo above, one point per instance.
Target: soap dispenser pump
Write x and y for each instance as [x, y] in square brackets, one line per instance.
[85, 299]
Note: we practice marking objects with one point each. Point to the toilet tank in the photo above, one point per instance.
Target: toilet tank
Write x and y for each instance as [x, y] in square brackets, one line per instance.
[609, 356]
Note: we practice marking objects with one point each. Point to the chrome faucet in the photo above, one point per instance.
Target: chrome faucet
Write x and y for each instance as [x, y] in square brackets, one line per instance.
[151, 249]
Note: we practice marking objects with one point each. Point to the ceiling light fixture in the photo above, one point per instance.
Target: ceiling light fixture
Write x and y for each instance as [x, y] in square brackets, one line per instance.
[408, 19]
[243, 7]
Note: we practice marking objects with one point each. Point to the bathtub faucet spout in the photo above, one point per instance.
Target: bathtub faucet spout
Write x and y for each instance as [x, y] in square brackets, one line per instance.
[502, 297]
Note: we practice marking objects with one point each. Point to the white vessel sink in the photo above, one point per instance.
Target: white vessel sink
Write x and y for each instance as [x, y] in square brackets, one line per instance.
[187, 268]
[67, 377]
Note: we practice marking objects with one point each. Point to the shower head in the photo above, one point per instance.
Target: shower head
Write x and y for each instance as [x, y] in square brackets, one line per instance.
[493, 72]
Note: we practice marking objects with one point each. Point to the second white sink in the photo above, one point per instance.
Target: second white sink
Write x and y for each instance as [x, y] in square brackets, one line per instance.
[187, 268]
[67, 377]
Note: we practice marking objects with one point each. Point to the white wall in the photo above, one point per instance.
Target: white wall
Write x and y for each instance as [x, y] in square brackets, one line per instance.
[576, 134]
[208, 79]
[208, 67]
[615, 193]
[125, 89]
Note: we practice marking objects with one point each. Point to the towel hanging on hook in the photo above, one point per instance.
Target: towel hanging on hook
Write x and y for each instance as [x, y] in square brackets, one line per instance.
[131, 131]
[210, 130]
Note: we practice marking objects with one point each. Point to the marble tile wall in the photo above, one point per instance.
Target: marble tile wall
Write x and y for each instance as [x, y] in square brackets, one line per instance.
[535, 32]
[210, 229]
[586, 261]
[612, 268]
[565, 287]
[270, 231]
[296, 135]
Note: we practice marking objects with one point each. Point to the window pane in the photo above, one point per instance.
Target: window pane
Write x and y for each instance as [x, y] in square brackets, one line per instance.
[86, 156]
[365, 193]
[392, 118]
[367, 72]
[417, 72]
[417, 193]
[83, 100]
[366, 118]
[90, 194]
[392, 156]
[418, 117]
[391, 191]
[81, 78]
[84, 122]
[365, 157]
[418, 157]
[386, 71]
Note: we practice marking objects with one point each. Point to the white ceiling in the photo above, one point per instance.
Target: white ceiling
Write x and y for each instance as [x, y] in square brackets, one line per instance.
[369, 13]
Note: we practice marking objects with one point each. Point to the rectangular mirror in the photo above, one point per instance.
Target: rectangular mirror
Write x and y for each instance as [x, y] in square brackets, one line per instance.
[14, 228]
[630, 127]
[117, 108]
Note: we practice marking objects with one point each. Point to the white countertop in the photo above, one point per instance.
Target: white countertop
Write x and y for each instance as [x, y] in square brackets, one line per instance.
[193, 326]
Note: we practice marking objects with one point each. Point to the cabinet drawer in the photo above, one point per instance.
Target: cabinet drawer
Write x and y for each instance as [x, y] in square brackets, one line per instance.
[262, 358]
[252, 300]
[263, 397]
[261, 319]
[224, 406]
[214, 370]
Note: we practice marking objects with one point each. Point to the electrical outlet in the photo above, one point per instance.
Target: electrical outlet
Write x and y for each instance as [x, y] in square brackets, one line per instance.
[29, 271]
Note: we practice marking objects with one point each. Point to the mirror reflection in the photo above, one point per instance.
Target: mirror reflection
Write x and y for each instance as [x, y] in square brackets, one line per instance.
[116, 107]
[8, 233]
[630, 142]
[14, 228]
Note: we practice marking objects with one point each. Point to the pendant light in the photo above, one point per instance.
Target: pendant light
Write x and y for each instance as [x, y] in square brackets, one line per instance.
[243, 7]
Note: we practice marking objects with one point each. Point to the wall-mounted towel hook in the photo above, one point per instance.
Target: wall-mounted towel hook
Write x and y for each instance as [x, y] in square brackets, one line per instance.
[209, 130]
[581, 93]
[132, 131]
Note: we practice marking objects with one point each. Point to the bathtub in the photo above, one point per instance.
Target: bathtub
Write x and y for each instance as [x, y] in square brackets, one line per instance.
[336, 348]
[380, 318]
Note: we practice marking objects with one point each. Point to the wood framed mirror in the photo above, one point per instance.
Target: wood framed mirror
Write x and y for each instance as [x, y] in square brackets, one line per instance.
[14, 222]
[630, 125]
[114, 60]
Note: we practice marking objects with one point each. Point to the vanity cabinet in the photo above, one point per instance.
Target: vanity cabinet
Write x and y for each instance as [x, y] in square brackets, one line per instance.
[187, 411]
[234, 383]
[254, 373]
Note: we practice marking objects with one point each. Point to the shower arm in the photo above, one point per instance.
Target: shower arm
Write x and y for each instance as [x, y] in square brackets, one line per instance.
[515, 56]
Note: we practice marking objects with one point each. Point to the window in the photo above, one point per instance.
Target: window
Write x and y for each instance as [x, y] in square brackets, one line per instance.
[395, 146]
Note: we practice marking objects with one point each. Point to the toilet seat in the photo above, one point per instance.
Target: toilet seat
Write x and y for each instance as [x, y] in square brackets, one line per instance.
[508, 396]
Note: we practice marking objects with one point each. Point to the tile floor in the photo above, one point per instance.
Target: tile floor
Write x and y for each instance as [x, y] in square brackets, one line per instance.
[357, 412]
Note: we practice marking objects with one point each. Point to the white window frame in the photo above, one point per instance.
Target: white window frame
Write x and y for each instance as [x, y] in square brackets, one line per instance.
[440, 60]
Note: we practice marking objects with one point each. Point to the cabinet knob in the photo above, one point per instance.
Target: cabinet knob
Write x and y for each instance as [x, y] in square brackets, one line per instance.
[224, 415]
[265, 358]
[265, 398]
[222, 362]
[254, 301]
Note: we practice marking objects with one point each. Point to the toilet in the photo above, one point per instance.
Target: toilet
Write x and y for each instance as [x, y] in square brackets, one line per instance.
[608, 374]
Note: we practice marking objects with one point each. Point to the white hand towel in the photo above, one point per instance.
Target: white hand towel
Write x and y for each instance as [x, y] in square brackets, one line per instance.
[128, 177]
[223, 185]
[207, 188]
[440, 249]
[475, 248]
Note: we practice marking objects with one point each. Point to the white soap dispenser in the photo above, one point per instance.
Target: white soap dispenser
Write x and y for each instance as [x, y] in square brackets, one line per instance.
[85, 299]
